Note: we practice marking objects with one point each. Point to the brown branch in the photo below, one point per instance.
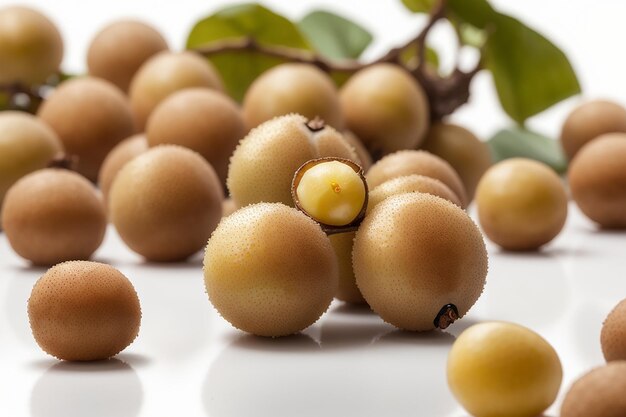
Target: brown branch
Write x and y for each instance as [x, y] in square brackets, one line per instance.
[14, 90]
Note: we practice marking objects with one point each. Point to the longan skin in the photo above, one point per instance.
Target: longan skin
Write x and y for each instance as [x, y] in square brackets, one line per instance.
[270, 270]
[120, 48]
[347, 290]
[522, 204]
[588, 121]
[598, 393]
[165, 203]
[597, 178]
[410, 184]
[613, 335]
[292, 88]
[123, 152]
[84, 311]
[415, 253]
[90, 116]
[360, 149]
[53, 215]
[31, 48]
[200, 119]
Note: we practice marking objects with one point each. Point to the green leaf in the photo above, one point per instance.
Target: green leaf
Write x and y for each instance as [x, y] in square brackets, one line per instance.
[419, 6]
[334, 36]
[478, 13]
[409, 57]
[239, 69]
[518, 142]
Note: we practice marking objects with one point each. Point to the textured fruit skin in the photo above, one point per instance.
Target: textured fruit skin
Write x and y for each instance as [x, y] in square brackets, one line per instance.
[200, 119]
[597, 178]
[120, 48]
[83, 311]
[123, 152]
[360, 149]
[347, 290]
[588, 121]
[415, 253]
[165, 203]
[53, 215]
[292, 88]
[165, 73]
[31, 48]
[410, 184]
[270, 270]
[386, 108]
[90, 116]
[522, 204]
[613, 335]
[499, 369]
[599, 393]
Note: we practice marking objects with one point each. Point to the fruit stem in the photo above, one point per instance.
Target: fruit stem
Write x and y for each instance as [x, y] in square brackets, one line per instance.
[316, 124]
[64, 161]
[446, 316]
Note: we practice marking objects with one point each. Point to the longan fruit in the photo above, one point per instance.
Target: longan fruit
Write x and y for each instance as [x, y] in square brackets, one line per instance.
[386, 108]
[165, 73]
[613, 335]
[120, 48]
[590, 120]
[228, 207]
[411, 162]
[263, 165]
[90, 116]
[292, 88]
[598, 393]
[31, 48]
[53, 215]
[361, 150]
[418, 257]
[270, 270]
[597, 179]
[84, 311]
[347, 290]
[410, 184]
[522, 204]
[468, 155]
[165, 203]
[200, 119]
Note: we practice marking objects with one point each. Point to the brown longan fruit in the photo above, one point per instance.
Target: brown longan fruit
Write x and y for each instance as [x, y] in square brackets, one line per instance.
[590, 120]
[468, 155]
[165, 73]
[165, 203]
[31, 48]
[84, 311]
[360, 149]
[270, 270]
[53, 215]
[598, 393]
[347, 290]
[613, 335]
[292, 88]
[120, 48]
[411, 162]
[522, 204]
[386, 108]
[597, 179]
[263, 165]
[90, 116]
[419, 259]
[228, 207]
[200, 119]
[410, 184]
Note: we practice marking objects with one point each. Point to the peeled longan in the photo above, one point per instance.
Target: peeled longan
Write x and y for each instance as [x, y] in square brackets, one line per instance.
[200, 119]
[270, 270]
[83, 311]
[123, 152]
[613, 335]
[419, 260]
[347, 290]
[53, 215]
[590, 120]
[597, 178]
[165, 203]
[120, 48]
[90, 116]
[411, 184]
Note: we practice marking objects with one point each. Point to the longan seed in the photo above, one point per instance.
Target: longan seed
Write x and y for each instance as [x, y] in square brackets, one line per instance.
[613, 335]
[410, 184]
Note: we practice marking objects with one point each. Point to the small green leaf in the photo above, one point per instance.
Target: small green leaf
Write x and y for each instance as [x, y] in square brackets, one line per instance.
[518, 142]
[419, 6]
[334, 36]
[478, 13]
[239, 69]
[409, 57]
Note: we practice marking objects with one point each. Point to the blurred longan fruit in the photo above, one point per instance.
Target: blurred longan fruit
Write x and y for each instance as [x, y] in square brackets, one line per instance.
[123, 152]
[53, 215]
[31, 48]
[84, 311]
[613, 335]
[597, 179]
[347, 290]
[165, 73]
[410, 184]
[361, 151]
[200, 119]
[90, 116]
[165, 203]
[386, 108]
[270, 270]
[120, 48]
[228, 207]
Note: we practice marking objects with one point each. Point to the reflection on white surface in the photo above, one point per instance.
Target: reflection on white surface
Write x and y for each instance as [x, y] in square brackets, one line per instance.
[18, 291]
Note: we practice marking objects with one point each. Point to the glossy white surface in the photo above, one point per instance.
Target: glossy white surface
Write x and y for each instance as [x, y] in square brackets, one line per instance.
[189, 362]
